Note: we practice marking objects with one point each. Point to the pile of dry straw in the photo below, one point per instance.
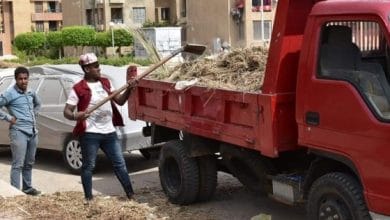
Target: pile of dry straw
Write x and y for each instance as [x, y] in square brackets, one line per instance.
[241, 70]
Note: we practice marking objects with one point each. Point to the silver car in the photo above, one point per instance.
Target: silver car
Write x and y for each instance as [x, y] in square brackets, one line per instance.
[53, 84]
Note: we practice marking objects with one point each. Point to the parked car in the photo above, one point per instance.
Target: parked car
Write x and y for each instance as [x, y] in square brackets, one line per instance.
[53, 84]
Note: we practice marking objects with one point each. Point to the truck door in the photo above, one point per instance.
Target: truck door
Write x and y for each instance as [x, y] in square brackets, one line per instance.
[345, 100]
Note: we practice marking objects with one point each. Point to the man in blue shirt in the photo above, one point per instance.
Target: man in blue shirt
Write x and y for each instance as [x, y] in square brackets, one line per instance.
[22, 106]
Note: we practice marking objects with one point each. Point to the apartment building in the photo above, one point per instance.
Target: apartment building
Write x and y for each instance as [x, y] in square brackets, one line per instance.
[239, 23]
[103, 14]
[20, 16]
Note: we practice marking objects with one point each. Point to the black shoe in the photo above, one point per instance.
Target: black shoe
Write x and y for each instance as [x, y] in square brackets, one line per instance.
[32, 192]
[130, 196]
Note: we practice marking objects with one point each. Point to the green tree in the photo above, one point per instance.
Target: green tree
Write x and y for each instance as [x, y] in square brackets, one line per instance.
[32, 42]
[122, 38]
[78, 36]
[103, 40]
[54, 40]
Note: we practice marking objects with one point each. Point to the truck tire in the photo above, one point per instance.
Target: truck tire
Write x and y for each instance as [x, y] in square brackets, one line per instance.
[336, 196]
[250, 169]
[179, 174]
[207, 177]
[71, 154]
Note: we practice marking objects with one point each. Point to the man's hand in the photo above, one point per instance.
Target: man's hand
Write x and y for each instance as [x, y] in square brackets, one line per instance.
[132, 83]
[13, 121]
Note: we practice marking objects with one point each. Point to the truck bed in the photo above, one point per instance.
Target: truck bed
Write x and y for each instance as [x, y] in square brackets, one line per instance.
[252, 120]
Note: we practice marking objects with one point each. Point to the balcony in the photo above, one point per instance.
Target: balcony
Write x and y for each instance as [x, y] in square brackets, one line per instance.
[117, 1]
[52, 16]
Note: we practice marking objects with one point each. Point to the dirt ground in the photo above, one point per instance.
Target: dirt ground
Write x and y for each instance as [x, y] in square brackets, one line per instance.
[62, 196]
[70, 205]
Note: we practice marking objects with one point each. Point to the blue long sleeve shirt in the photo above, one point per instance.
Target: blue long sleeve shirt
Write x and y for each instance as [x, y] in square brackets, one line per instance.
[23, 105]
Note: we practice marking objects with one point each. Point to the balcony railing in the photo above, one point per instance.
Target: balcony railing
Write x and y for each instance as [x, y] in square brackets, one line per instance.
[46, 17]
[117, 1]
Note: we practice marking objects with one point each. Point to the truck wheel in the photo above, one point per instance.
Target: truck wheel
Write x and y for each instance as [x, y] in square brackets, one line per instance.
[250, 169]
[207, 177]
[179, 174]
[72, 155]
[336, 196]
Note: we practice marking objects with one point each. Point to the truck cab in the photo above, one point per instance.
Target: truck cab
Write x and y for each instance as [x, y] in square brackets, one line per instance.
[343, 92]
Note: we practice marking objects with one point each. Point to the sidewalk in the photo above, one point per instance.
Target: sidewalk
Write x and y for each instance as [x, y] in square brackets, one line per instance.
[6, 190]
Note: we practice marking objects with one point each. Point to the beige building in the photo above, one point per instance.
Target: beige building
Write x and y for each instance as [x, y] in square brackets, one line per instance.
[106, 15]
[20, 16]
[103, 14]
[238, 23]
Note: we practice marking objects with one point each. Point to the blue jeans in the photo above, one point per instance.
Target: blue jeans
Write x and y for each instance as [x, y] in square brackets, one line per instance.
[23, 148]
[109, 143]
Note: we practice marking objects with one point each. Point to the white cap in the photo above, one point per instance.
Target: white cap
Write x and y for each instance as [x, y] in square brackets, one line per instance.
[87, 59]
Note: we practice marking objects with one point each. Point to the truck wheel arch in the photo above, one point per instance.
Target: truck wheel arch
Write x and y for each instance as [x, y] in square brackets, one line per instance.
[250, 168]
[326, 163]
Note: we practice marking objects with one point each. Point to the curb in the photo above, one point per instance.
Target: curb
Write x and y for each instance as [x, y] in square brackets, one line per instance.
[6, 190]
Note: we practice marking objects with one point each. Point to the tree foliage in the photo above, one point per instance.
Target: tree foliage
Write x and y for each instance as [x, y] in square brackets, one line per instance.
[32, 42]
[55, 43]
[122, 38]
[78, 36]
[103, 39]
[54, 39]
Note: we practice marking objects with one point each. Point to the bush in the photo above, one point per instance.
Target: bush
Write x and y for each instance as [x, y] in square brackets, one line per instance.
[32, 42]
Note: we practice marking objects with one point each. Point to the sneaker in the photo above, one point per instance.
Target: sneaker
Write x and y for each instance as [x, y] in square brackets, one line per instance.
[130, 196]
[88, 201]
[32, 191]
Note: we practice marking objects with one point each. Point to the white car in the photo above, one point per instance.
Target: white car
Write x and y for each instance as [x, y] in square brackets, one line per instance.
[53, 84]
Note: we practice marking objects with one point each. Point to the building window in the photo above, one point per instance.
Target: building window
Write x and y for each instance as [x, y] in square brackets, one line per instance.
[38, 7]
[256, 5]
[139, 15]
[165, 14]
[39, 27]
[258, 33]
[51, 7]
[89, 16]
[183, 10]
[52, 25]
[117, 15]
[100, 16]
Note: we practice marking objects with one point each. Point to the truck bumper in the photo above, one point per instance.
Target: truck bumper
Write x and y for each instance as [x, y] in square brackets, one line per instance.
[376, 216]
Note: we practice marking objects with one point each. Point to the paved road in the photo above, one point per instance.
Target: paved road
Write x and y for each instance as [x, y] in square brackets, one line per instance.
[50, 175]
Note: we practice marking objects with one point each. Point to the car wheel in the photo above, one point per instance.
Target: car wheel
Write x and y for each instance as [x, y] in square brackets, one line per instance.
[72, 155]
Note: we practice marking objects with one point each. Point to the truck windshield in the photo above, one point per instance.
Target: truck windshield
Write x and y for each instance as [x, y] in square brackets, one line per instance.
[358, 52]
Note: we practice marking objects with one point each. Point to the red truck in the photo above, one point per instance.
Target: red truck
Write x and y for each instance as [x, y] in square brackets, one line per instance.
[318, 131]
